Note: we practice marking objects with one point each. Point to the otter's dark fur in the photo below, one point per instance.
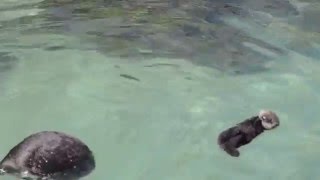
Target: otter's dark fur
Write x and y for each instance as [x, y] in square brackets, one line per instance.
[49, 155]
[243, 133]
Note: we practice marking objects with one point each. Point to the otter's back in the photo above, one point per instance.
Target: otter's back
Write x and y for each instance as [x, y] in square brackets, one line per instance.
[51, 154]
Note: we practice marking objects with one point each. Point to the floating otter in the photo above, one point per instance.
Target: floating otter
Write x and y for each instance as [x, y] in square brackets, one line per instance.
[244, 132]
[49, 155]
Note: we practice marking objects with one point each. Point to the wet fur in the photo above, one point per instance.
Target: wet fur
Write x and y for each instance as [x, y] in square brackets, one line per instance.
[49, 155]
[241, 134]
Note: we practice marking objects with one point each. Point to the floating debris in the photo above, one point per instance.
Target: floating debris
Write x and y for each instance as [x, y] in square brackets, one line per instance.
[162, 64]
[54, 48]
[129, 77]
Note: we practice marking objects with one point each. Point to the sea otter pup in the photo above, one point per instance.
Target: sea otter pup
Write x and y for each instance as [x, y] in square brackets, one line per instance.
[49, 155]
[244, 132]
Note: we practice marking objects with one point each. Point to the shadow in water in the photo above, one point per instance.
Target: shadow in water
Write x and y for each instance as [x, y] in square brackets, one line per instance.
[7, 61]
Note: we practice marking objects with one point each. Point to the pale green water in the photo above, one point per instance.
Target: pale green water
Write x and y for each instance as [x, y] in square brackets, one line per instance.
[63, 73]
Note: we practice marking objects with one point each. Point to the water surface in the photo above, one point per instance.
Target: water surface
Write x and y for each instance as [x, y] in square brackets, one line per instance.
[149, 85]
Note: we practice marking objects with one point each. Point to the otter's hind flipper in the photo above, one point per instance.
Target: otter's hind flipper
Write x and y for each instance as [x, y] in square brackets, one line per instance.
[228, 141]
[232, 151]
[231, 146]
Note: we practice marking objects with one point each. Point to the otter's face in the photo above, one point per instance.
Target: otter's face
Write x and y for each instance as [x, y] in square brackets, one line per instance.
[269, 119]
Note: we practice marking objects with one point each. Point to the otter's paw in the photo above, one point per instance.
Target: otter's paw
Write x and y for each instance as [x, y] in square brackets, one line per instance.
[234, 153]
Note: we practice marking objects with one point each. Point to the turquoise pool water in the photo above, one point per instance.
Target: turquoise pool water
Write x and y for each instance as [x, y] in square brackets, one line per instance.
[149, 85]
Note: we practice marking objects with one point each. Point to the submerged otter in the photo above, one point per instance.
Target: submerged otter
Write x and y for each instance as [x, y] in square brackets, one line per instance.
[49, 155]
[244, 132]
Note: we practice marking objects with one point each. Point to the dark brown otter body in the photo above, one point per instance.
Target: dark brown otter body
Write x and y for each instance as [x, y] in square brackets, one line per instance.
[243, 133]
[49, 155]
